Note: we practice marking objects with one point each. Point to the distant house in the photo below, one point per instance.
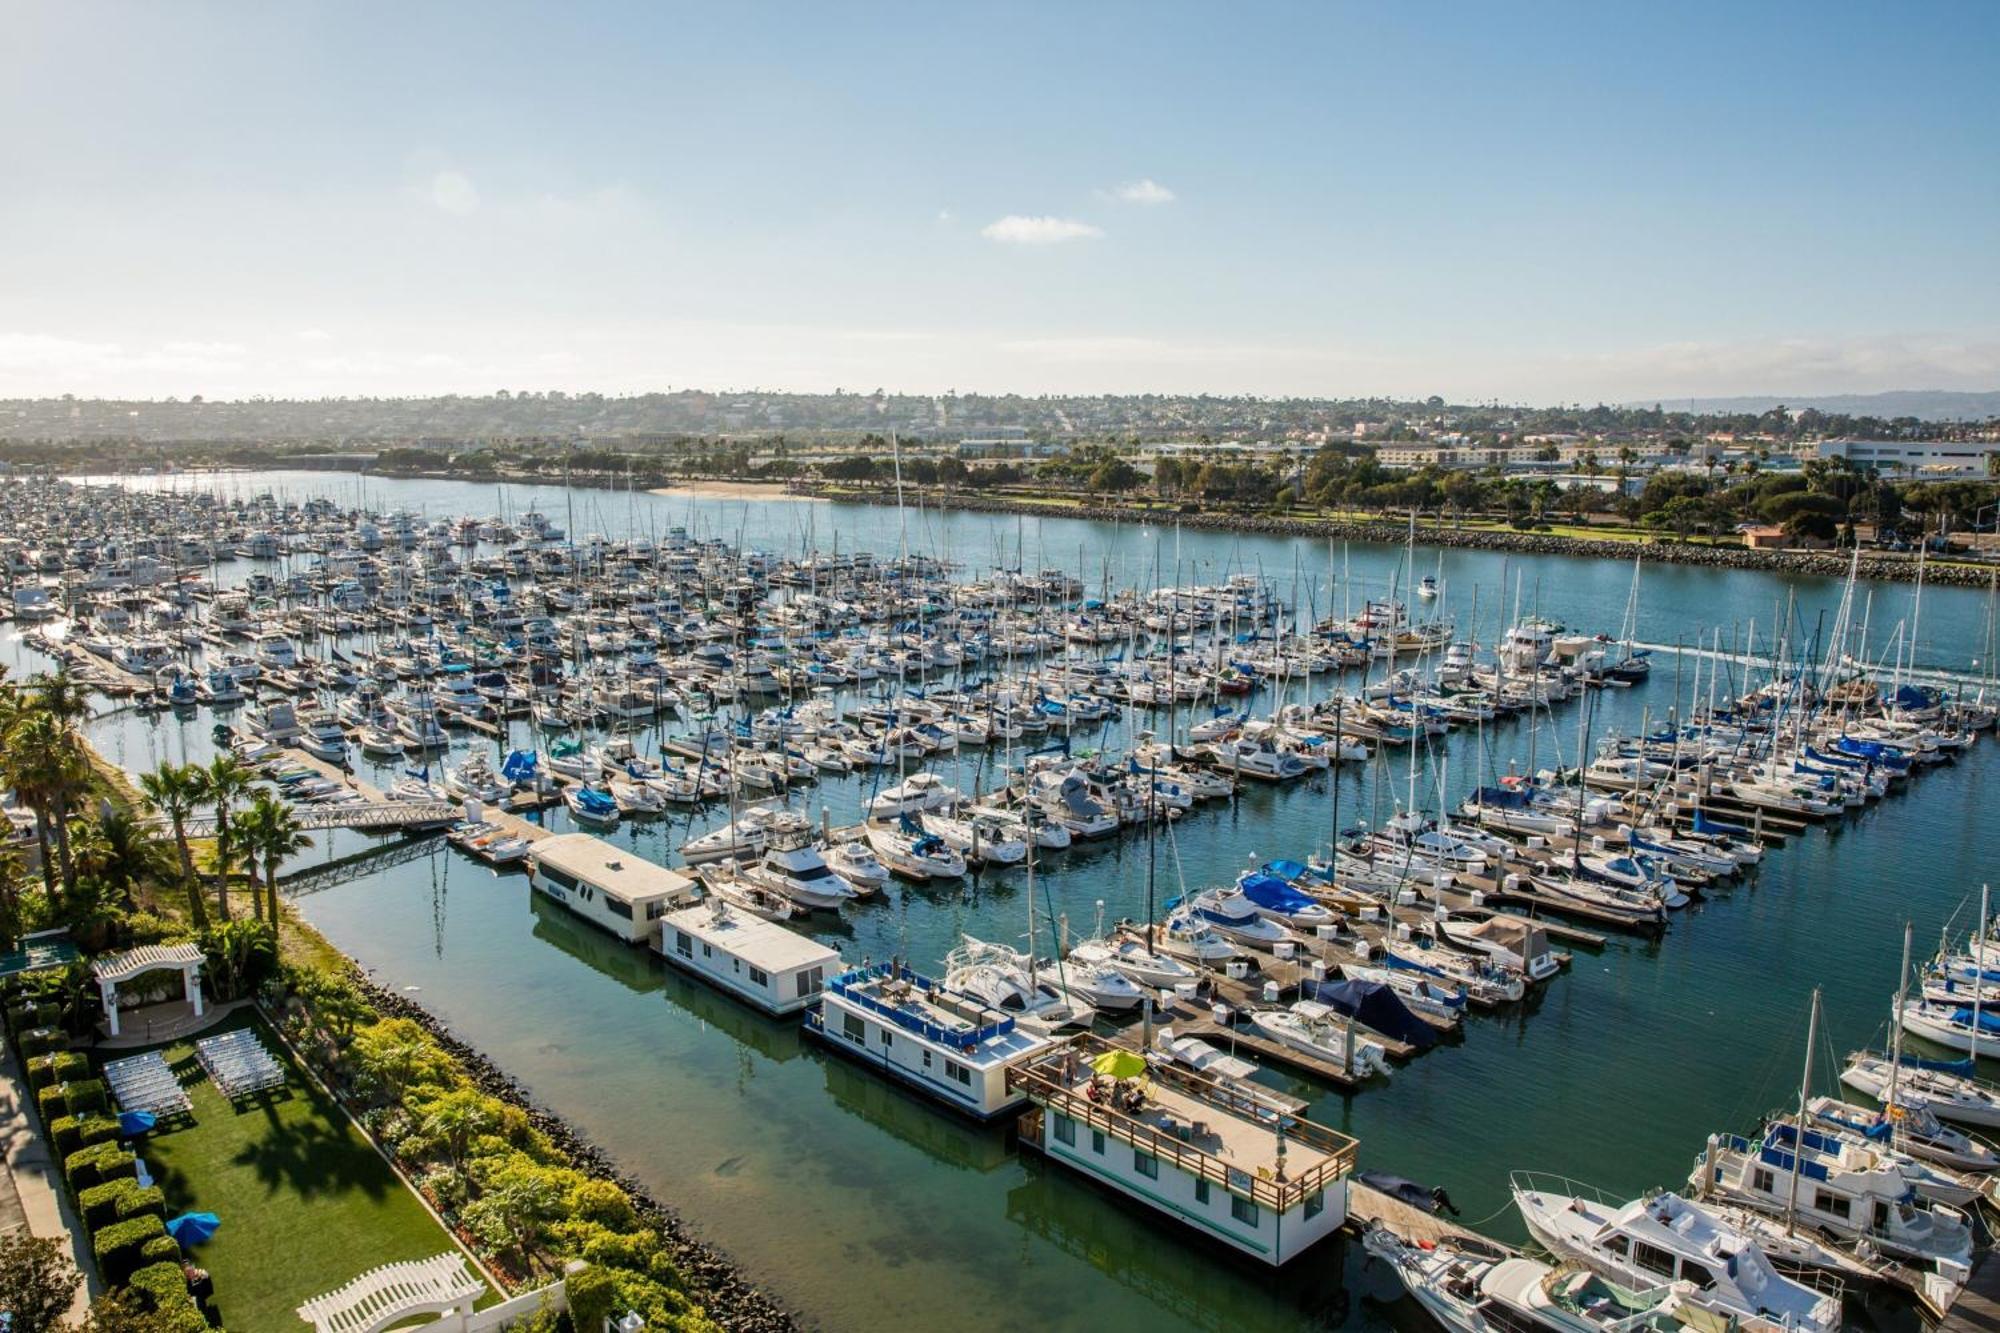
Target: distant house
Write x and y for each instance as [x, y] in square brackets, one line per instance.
[1762, 537]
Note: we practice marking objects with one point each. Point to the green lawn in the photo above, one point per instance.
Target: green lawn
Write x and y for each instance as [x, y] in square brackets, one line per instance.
[305, 1202]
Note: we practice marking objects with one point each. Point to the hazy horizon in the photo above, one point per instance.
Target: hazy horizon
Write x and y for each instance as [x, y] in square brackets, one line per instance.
[1539, 204]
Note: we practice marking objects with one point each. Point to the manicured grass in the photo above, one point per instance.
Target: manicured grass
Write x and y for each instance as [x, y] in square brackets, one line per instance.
[305, 1202]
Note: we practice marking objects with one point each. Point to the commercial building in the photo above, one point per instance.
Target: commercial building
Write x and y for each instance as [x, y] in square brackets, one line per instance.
[1940, 459]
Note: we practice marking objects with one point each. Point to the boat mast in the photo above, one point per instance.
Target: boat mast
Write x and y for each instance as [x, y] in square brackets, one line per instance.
[1978, 974]
[1896, 1024]
[1799, 1125]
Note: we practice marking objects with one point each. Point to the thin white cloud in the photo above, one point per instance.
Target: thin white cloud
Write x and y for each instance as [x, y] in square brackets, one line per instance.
[312, 335]
[1017, 229]
[1147, 191]
[454, 192]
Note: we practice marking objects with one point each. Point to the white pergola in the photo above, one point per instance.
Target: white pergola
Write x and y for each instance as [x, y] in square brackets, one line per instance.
[385, 1296]
[113, 971]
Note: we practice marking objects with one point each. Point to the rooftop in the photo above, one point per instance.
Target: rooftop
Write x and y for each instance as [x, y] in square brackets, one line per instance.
[613, 870]
[762, 942]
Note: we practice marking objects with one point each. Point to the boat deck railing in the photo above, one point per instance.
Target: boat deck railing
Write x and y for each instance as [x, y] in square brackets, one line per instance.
[1051, 1081]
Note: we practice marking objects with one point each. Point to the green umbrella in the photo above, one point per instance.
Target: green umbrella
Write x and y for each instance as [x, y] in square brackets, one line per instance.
[1119, 1064]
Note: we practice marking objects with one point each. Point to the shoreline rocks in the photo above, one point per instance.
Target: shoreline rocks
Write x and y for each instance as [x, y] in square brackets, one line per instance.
[714, 1281]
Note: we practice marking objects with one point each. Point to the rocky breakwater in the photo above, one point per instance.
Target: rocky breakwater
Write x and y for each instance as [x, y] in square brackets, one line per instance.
[1886, 566]
[718, 1285]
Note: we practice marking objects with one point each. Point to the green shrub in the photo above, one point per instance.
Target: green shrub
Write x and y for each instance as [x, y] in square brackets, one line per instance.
[72, 1066]
[161, 1249]
[40, 1041]
[54, 1104]
[96, 1164]
[141, 1200]
[163, 1289]
[99, 1203]
[42, 1072]
[118, 1246]
[72, 1132]
[87, 1094]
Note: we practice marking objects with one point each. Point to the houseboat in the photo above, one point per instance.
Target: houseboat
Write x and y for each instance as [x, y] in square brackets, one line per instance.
[608, 886]
[950, 1047]
[759, 962]
[1225, 1160]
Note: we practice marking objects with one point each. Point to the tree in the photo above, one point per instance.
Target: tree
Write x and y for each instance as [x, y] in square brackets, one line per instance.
[174, 790]
[46, 766]
[37, 1282]
[226, 779]
[269, 829]
[1114, 474]
[121, 851]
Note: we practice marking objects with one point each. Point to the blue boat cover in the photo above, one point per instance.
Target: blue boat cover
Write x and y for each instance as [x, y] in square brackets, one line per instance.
[1285, 869]
[1274, 894]
[1373, 1004]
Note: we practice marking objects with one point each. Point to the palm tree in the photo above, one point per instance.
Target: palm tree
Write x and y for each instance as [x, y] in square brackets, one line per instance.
[48, 768]
[226, 779]
[120, 850]
[270, 830]
[62, 696]
[175, 790]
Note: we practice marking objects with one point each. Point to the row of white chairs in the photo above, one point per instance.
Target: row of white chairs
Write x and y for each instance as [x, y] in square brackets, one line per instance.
[146, 1083]
[238, 1063]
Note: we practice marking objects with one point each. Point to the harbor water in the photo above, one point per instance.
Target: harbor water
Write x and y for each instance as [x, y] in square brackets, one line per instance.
[863, 1207]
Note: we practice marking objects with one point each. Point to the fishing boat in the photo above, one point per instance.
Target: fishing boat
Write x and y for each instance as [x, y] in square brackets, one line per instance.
[793, 867]
[1229, 913]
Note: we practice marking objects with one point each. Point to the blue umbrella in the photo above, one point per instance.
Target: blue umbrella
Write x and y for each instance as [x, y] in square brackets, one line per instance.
[135, 1122]
[193, 1228]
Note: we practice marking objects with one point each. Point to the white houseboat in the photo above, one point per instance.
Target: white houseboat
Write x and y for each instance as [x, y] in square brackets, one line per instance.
[608, 886]
[905, 1025]
[760, 962]
[1224, 1159]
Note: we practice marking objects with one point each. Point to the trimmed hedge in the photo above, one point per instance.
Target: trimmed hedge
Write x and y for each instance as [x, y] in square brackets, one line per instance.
[42, 1072]
[96, 1164]
[42, 1041]
[73, 1132]
[118, 1246]
[72, 1066]
[85, 1094]
[119, 1201]
[161, 1249]
[163, 1288]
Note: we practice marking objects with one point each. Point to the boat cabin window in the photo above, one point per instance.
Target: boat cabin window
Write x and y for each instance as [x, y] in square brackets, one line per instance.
[683, 944]
[810, 981]
[1201, 1189]
[560, 878]
[656, 910]
[618, 907]
[888, 1038]
[1619, 1245]
[758, 977]
[1065, 1130]
[856, 1030]
[1763, 1181]
[1146, 1164]
[1695, 1273]
[1826, 1201]
[1243, 1210]
[1653, 1259]
[1097, 1141]
[1315, 1203]
[958, 1072]
[706, 952]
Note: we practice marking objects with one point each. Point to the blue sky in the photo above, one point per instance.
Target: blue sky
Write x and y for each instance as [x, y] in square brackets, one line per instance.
[1531, 202]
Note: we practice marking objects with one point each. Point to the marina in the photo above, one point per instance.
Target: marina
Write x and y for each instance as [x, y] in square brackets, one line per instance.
[1417, 864]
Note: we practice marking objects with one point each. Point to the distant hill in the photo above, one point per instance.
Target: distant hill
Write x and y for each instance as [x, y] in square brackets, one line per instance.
[1923, 404]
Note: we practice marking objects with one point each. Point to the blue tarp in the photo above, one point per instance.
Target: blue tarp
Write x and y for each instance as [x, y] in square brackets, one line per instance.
[1372, 1003]
[1274, 894]
[135, 1122]
[1285, 869]
[519, 766]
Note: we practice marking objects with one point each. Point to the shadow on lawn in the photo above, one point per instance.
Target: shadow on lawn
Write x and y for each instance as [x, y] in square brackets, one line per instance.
[314, 1157]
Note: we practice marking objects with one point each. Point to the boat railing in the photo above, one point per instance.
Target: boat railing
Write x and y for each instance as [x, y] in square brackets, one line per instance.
[849, 986]
[1050, 1080]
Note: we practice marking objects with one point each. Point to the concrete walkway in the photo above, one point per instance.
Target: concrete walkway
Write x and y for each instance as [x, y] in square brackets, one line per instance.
[31, 1190]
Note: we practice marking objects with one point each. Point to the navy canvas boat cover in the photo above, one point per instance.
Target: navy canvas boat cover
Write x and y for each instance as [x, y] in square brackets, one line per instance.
[1373, 1004]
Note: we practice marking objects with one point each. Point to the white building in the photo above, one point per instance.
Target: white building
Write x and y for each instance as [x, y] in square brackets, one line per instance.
[760, 962]
[606, 885]
[1942, 459]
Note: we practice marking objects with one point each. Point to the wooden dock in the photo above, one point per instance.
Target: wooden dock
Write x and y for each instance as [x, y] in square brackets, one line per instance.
[1366, 1205]
[1977, 1309]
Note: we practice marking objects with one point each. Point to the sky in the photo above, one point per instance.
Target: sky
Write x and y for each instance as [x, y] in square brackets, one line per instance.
[1529, 202]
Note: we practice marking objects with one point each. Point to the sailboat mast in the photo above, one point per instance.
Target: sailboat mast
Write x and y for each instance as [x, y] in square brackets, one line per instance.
[1799, 1125]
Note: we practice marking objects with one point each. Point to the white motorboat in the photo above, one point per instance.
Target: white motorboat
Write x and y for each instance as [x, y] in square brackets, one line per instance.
[1229, 913]
[1511, 943]
[1949, 1093]
[982, 839]
[913, 795]
[792, 866]
[1316, 1029]
[999, 977]
[1666, 1238]
[745, 835]
[1130, 956]
[909, 850]
[1185, 934]
[1470, 1287]
[855, 862]
[1102, 984]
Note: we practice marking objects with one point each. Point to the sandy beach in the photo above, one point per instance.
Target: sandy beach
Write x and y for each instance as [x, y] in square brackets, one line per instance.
[733, 490]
